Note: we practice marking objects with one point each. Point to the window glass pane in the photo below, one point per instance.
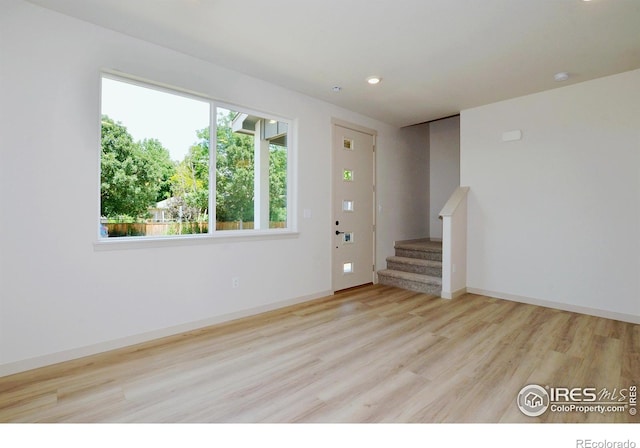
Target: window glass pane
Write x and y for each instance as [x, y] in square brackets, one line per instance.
[347, 206]
[251, 171]
[154, 164]
[234, 170]
[278, 186]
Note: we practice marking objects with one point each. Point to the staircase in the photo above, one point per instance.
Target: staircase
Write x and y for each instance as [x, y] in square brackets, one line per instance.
[417, 266]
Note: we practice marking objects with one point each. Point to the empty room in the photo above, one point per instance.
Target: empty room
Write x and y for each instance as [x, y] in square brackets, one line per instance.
[319, 212]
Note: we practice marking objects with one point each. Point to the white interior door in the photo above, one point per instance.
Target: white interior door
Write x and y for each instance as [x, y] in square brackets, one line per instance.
[353, 232]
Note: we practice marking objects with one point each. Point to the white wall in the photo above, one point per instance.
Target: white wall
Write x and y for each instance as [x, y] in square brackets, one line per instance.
[444, 167]
[59, 296]
[555, 217]
[408, 208]
[402, 191]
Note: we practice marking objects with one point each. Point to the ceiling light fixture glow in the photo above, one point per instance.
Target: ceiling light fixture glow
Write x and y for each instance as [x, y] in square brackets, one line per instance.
[373, 80]
[562, 76]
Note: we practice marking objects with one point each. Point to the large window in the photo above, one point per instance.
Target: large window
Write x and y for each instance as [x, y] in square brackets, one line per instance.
[159, 176]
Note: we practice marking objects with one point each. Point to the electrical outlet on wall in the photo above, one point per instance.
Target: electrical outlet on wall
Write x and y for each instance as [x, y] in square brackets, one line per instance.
[235, 282]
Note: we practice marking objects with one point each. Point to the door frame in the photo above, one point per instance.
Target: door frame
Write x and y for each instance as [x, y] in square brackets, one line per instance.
[374, 135]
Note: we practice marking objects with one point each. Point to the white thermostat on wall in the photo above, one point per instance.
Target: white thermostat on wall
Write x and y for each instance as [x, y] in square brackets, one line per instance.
[511, 136]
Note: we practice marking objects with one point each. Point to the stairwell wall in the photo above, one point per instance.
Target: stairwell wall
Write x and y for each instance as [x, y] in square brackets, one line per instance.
[409, 199]
[444, 168]
[553, 218]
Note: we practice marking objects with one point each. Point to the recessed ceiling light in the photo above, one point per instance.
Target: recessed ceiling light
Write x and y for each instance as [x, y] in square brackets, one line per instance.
[373, 80]
[562, 76]
[336, 89]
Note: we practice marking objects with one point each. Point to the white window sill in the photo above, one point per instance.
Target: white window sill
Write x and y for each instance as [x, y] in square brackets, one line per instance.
[223, 236]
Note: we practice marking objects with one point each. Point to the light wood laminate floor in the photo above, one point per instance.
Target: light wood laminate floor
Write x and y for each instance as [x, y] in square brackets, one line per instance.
[374, 354]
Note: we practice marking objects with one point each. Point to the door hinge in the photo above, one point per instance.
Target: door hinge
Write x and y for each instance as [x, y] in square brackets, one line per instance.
[373, 267]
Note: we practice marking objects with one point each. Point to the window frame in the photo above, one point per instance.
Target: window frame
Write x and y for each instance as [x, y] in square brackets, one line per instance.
[212, 235]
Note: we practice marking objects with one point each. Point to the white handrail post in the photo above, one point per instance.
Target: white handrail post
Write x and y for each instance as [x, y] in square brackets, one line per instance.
[454, 244]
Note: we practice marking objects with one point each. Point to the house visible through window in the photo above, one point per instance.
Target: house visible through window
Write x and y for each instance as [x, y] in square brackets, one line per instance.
[156, 165]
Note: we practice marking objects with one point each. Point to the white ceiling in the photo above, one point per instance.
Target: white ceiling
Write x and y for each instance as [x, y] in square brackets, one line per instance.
[436, 57]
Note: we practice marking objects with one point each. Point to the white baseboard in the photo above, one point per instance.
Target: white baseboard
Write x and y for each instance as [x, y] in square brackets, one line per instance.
[454, 294]
[68, 355]
[631, 318]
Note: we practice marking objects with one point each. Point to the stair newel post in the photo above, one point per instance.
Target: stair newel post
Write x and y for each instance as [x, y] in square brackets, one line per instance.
[454, 245]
